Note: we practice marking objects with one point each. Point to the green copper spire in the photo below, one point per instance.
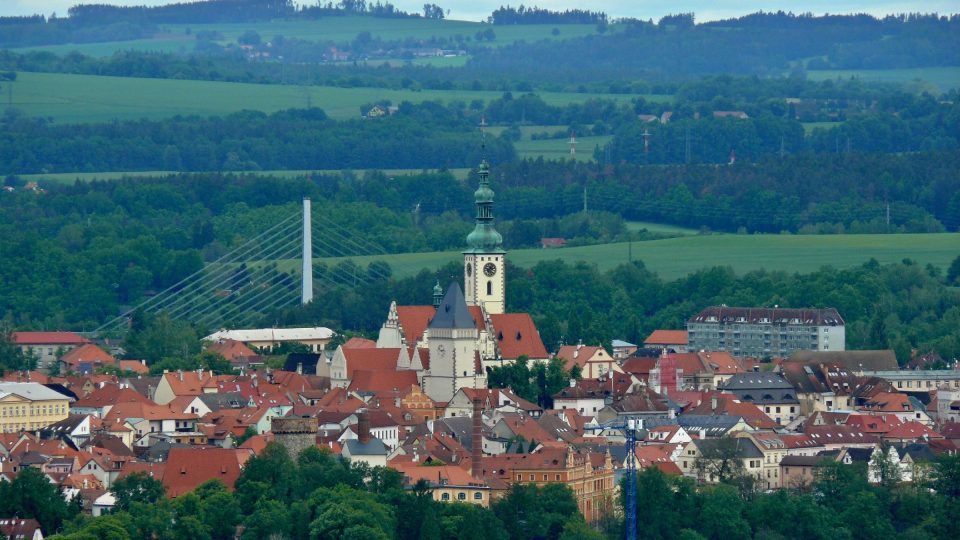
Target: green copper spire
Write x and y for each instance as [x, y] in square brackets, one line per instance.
[437, 294]
[484, 238]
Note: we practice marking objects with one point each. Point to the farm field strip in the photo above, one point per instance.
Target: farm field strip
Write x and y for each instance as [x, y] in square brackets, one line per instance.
[673, 258]
[92, 98]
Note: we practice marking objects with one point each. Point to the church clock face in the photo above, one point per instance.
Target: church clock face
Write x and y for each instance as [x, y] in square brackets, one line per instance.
[490, 269]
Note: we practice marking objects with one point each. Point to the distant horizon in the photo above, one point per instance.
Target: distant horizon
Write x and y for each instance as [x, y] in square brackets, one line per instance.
[479, 10]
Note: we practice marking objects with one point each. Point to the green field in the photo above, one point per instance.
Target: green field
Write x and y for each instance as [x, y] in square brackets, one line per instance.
[92, 98]
[660, 228]
[942, 78]
[676, 257]
[174, 38]
[809, 127]
[70, 178]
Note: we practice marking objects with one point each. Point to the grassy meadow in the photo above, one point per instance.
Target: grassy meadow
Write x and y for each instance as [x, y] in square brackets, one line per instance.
[673, 258]
[180, 37]
[941, 78]
[68, 98]
[71, 178]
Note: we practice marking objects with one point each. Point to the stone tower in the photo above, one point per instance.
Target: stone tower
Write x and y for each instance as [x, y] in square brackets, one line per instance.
[295, 434]
[483, 260]
[454, 362]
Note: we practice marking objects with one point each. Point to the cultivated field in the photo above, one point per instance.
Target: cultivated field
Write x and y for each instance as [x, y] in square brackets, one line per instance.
[70, 178]
[90, 98]
[942, 78]
[676, 257]
[180, 38]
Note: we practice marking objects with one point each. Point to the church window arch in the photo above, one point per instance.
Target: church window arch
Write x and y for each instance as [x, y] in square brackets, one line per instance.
[489, 287]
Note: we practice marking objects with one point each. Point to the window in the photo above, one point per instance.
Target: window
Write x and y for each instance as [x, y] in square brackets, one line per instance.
[544, 477]
[489, 288]
[558, 477]
[445, 497]
[519, 478]
[461, 496]
[478, 496]
[531, 477]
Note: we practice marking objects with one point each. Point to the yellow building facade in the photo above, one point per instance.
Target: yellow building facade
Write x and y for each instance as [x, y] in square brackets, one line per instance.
[30, 406]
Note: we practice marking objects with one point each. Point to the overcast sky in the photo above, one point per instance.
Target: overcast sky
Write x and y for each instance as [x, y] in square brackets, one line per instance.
[644, 9]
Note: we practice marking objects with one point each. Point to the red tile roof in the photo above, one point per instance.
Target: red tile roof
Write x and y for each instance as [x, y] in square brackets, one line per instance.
[578, 355]
[380, 380]
[360, 343]
[187, 383]
[48, 338]
[911, 431]
[667, 337]
[370, 360]
[414, 320]
[516, 335]
[87, 352]
[136, 366]
[231, 349]
[187, 468]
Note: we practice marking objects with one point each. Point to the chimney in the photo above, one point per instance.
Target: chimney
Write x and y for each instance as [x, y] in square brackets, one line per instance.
[703, 434]
[363, 426]
[180, 374]
[713, 403]
[300, 365]
[477, 438]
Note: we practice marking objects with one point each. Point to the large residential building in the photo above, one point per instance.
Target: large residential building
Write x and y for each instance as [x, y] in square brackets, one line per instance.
[30, 406]
[46, 346]
[765, 332]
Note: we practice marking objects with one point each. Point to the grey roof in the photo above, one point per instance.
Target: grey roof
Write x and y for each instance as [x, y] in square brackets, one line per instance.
[374, 447]
[29, 390]
[917, 451]
[453, 312]
[802, 461]
[761, 388]
[226, 400]
[621, 343]
[461, 427]
[852, 360]
[68, 424]
[715, 426]
[744, 447]
[754, 315]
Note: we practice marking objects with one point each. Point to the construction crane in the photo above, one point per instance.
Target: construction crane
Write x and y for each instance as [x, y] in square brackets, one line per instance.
[629, 427]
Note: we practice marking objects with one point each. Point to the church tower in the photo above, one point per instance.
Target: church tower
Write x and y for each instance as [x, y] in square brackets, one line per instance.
[483, 261]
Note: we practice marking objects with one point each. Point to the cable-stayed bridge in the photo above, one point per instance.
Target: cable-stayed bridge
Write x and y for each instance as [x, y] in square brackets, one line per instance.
[272, 270]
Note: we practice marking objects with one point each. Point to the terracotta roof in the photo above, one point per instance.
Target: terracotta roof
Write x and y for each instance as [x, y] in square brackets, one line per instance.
[889, 402]
[136, 366]
[187, 383]
[375, 381]
[87, 352]
[360, 343]
[231, 349]
[799, 441]
[639, 366]
[667, 337]
[48, 338]
[414, 320]
[578, 355]
[728, 405]
[145, 410]
[839, 435]
[912, 431]
[370, 359]
[187, 468]
[516, 335]
[881, 423]
[444, 474]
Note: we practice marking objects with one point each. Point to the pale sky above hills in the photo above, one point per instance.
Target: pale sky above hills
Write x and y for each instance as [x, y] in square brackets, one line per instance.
[644, 9]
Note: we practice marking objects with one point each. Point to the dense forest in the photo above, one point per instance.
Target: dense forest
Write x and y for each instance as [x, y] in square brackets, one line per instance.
[763, 43]
[318, 496]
